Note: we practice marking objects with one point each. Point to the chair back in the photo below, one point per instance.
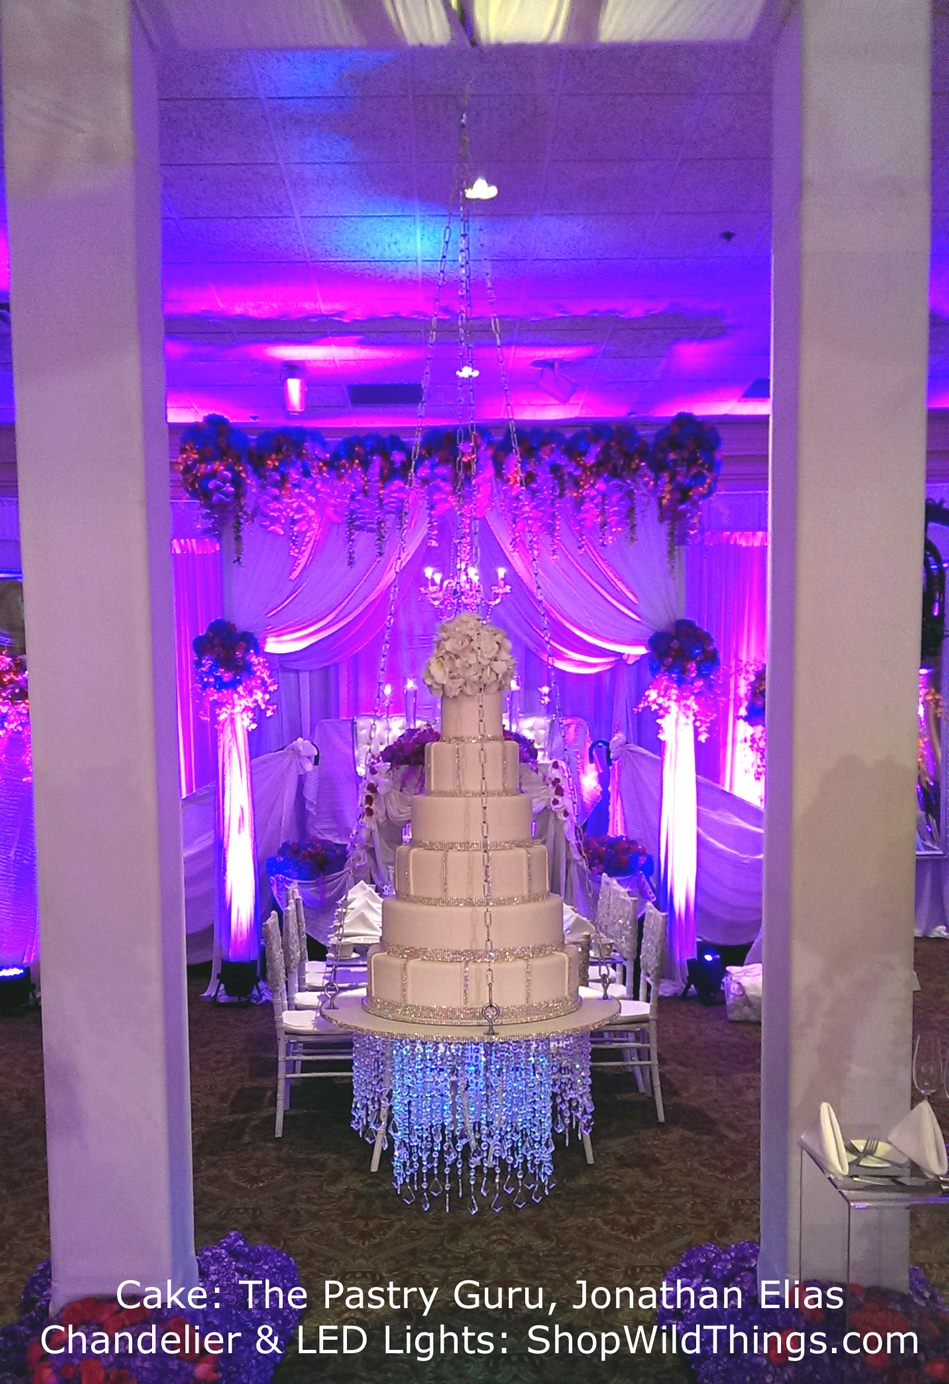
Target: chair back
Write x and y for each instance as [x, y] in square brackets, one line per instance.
[301, 937]
[652, 955]
[291, 949]
[617, 917]
[276, 967]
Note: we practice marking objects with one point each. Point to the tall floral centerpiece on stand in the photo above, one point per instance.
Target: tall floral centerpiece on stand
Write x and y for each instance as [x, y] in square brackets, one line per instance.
[234, 684]
[684, 661]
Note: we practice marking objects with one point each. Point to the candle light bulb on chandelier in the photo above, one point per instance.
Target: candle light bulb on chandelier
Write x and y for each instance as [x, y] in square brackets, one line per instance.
[481, 191]
[429, 573]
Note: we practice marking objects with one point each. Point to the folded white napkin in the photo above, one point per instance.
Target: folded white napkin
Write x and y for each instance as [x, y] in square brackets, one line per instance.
[832, 1141]
[363, 921]
[918, 1136]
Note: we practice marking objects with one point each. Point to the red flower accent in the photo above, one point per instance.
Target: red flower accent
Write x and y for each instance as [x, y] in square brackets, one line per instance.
[937, 1369]
[179, 1326]
[91, 1372]
[778, 1351]
[206, 1370]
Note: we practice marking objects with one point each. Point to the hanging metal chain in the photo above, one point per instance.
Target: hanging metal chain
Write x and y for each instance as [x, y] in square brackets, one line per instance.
[490, 1013]
[524, 514]
[330, 987]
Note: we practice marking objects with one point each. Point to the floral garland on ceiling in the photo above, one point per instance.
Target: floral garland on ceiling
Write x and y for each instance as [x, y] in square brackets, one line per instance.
[684, 662]
[231, 674]
[597, 479]
[215, 468]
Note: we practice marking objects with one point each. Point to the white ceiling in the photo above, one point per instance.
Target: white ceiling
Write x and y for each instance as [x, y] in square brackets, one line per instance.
[304, 201]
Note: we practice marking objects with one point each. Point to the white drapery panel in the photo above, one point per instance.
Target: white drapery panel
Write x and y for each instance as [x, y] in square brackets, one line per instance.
[730, 844]
[280, 815]
[331, 609]
[603, 600]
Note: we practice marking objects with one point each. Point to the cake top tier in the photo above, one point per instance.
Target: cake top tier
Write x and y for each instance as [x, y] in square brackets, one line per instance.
[473, 717]
[469, 657]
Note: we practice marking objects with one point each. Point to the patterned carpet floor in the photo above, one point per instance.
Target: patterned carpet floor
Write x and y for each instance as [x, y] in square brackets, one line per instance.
[654, 1190]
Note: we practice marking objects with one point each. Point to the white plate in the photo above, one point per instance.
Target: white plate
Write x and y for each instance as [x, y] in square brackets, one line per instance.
[886, 1157]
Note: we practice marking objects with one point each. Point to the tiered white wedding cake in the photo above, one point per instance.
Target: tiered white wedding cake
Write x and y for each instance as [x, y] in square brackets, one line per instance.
[472, 913]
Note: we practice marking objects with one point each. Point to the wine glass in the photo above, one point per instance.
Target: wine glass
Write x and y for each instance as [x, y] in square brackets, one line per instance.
[928, 1064]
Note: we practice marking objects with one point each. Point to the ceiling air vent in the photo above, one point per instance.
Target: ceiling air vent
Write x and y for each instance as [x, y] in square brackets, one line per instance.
[381, 395]
[758, 389]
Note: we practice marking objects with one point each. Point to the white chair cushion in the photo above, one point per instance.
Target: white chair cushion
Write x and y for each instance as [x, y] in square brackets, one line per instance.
[312, 999]
[614, 991]
[632, 1009]
[308, 1023]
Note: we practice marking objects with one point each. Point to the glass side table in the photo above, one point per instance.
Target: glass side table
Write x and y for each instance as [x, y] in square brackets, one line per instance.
[867, 1193]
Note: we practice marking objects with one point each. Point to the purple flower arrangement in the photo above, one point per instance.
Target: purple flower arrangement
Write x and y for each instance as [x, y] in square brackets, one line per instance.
[617, 856]
[799, 1338]
[526, 749]
[408, 751]
[170, 1345]
[231, 674]
[292, 480]
[683, 661]
[214, 465]
[310, 859]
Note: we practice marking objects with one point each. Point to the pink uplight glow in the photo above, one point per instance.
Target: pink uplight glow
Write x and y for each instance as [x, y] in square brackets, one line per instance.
[678, 835]
[237, 837]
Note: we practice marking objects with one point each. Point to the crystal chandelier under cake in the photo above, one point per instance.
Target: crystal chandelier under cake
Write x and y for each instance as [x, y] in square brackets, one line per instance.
[471, 1045]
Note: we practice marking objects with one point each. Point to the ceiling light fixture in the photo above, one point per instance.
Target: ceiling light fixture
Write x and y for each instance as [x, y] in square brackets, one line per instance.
[552, 382]
[481, 191]
[294, 388]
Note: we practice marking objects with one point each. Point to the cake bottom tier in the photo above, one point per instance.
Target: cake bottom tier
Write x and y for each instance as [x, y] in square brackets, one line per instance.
[526, 990]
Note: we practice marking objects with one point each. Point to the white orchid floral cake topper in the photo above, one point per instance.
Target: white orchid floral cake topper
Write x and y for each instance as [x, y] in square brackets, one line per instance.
[469, 657]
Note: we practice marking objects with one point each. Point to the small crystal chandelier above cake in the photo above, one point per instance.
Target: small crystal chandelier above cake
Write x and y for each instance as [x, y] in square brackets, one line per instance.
[473, 939]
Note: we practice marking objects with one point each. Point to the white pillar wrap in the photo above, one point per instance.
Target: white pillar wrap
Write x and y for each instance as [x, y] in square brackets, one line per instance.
[80, 125]
[848, 448]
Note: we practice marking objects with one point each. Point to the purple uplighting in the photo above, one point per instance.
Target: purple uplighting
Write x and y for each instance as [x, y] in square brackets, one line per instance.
[237, 839]
[678, 834]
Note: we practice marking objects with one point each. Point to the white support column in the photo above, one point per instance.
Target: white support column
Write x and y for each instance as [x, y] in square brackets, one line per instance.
[848, 448]
[80, 128]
